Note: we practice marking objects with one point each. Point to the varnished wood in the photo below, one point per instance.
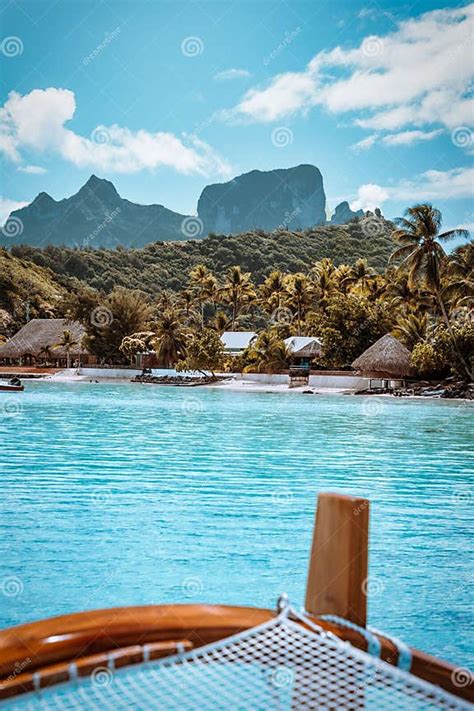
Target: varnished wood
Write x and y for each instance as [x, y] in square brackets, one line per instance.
[338, 566]
[85, 666]
[52, 644]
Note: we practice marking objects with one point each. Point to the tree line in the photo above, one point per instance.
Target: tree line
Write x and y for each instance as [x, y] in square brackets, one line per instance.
[423, 296]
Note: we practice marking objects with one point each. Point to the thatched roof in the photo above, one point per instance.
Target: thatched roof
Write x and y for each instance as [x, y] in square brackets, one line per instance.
[303, 346]
[43, 332]
[387, 358]
[310, 350]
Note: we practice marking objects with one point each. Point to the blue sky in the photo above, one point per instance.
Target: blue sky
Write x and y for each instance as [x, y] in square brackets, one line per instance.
[165, 97]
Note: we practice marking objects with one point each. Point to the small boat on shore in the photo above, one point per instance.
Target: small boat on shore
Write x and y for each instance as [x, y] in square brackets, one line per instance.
[13, 385]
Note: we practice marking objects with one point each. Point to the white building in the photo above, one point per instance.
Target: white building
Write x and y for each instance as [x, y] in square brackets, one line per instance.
[297, 343]
[235, 342]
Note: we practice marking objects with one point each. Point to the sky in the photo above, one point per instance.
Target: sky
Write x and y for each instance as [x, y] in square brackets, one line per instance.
[164, 97]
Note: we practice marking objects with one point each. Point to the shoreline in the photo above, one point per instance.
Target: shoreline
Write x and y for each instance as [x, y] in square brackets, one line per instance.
[234, 385]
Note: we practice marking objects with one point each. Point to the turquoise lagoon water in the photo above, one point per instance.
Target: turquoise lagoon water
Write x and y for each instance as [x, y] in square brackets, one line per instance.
[122, 494]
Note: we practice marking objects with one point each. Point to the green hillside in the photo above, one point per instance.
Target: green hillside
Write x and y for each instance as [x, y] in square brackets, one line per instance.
[165, 265]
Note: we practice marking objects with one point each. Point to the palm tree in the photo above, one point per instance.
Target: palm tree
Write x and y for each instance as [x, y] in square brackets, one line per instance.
[325, 279]
[423, 256]
[237, 291]
[204, 285]
[340, 278]
[45, 351]
[273, 291]
[459, 275]
[67, 342]
[299, 296]
[185, 304]
[411, 329]
[169, 342]
[401, 293]
[361, 276]
[269, 354]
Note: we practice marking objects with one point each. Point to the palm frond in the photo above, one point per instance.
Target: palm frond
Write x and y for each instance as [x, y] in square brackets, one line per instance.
[402, 252]
[450, 234]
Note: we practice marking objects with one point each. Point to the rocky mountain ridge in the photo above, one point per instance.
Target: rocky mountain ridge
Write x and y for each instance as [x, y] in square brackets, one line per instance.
[97, 216]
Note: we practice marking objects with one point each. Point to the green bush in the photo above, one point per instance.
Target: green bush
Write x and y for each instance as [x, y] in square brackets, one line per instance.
[428, 361]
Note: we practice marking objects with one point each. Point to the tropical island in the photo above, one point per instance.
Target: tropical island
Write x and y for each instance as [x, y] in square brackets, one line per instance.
[423, 297]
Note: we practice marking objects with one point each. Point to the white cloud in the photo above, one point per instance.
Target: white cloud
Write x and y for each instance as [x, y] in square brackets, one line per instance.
[36, 121]
[432, 185]
[419, 74]
[365, 143]
[369, 197]
[7, 206]
[436, 185]
[404, 138]
[32, 169]
[232, 74]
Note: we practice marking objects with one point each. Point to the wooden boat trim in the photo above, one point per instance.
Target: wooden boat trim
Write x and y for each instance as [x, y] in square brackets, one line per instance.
[90, 638]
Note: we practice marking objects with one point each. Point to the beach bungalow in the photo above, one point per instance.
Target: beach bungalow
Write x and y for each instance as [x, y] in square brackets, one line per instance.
[36, 343]
[235, 342]
[303, 349]
[387, 361]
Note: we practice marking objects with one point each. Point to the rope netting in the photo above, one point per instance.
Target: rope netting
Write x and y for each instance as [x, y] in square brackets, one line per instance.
[278, 665]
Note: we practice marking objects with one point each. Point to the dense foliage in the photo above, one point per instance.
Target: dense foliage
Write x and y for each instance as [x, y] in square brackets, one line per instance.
[177, 299]
[166, 265]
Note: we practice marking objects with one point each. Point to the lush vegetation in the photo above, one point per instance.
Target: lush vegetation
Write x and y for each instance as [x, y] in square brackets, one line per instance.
[177, 299]
[166, 265]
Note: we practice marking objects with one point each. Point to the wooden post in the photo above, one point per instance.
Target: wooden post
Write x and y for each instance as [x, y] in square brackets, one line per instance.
[338, 566]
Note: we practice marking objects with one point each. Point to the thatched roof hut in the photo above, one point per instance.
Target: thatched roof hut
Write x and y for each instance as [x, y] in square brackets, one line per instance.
[310, 350]
[40, 333]
[386, 359]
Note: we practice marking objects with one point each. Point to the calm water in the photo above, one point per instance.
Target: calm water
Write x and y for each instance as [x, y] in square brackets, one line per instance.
[126, 494]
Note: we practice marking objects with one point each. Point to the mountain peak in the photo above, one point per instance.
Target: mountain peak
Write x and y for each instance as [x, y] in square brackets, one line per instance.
[283, 198]
[100, 188]
[42, 197]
